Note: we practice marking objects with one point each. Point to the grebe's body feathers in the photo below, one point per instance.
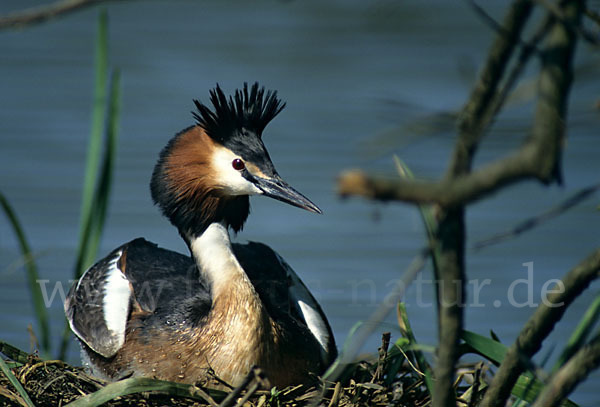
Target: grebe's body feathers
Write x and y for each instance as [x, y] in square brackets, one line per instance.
[169, 295]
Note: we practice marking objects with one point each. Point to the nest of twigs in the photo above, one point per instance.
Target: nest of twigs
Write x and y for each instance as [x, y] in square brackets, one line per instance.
[55, 383]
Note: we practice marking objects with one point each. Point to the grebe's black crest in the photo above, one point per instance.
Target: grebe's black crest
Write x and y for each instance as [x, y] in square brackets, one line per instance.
[184, 183]
[235, 117]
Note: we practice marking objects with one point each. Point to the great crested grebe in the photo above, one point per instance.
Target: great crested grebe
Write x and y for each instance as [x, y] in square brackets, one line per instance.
[147, 311]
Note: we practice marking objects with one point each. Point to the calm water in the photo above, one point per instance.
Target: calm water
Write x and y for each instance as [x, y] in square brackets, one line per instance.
[361, 79]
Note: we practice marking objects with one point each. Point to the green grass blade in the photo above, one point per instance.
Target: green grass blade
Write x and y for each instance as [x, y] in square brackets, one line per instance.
[430, 223]
[95, 142]
[11, 364]
[41, 313]
[140, 384]
[340, 362]
[100, 163]
[102, 193]
[527, 387]
[13, 380]
[487, 347]
[425, 210]
[14, 353]
[581, 333]
[407, 332]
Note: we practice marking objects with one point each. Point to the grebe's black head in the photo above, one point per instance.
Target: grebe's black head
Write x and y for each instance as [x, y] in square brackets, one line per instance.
[206, 173]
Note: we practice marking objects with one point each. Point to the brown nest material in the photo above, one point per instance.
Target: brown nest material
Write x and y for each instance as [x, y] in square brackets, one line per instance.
[368, 382]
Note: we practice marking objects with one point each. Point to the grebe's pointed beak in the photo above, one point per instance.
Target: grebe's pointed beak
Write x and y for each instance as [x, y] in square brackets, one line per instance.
[277, 188]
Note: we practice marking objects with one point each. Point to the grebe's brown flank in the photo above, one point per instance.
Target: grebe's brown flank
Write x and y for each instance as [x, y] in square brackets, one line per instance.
[147, 311]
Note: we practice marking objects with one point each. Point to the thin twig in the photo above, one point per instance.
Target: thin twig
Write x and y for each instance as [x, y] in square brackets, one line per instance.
[335, 399]
[357, 340]
[592, 15]
[197, 391]
[408, 361]
[40, 14]
[495, 25]
[381, 361]
[535, 221]
[253, 380]
[476, 384]
[527, 50]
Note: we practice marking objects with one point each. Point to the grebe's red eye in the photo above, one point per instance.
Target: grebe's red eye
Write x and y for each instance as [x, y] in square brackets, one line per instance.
[238, 164]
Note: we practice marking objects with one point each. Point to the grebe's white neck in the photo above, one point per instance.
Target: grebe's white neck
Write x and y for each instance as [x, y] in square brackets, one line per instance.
[237, 312]
[215, 259]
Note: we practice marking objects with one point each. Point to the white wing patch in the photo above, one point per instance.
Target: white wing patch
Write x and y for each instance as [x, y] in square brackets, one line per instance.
[115, 304]
[308, 308]
[315, 323]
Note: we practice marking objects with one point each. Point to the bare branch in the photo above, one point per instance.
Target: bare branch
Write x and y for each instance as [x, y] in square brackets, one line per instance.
[563, 382]
[538, 158]
[450, 248]
[450, 236]
[449, 192]
[558, 14]
[37, 15]
[476, 115]
[539, 327]
[556, 76]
